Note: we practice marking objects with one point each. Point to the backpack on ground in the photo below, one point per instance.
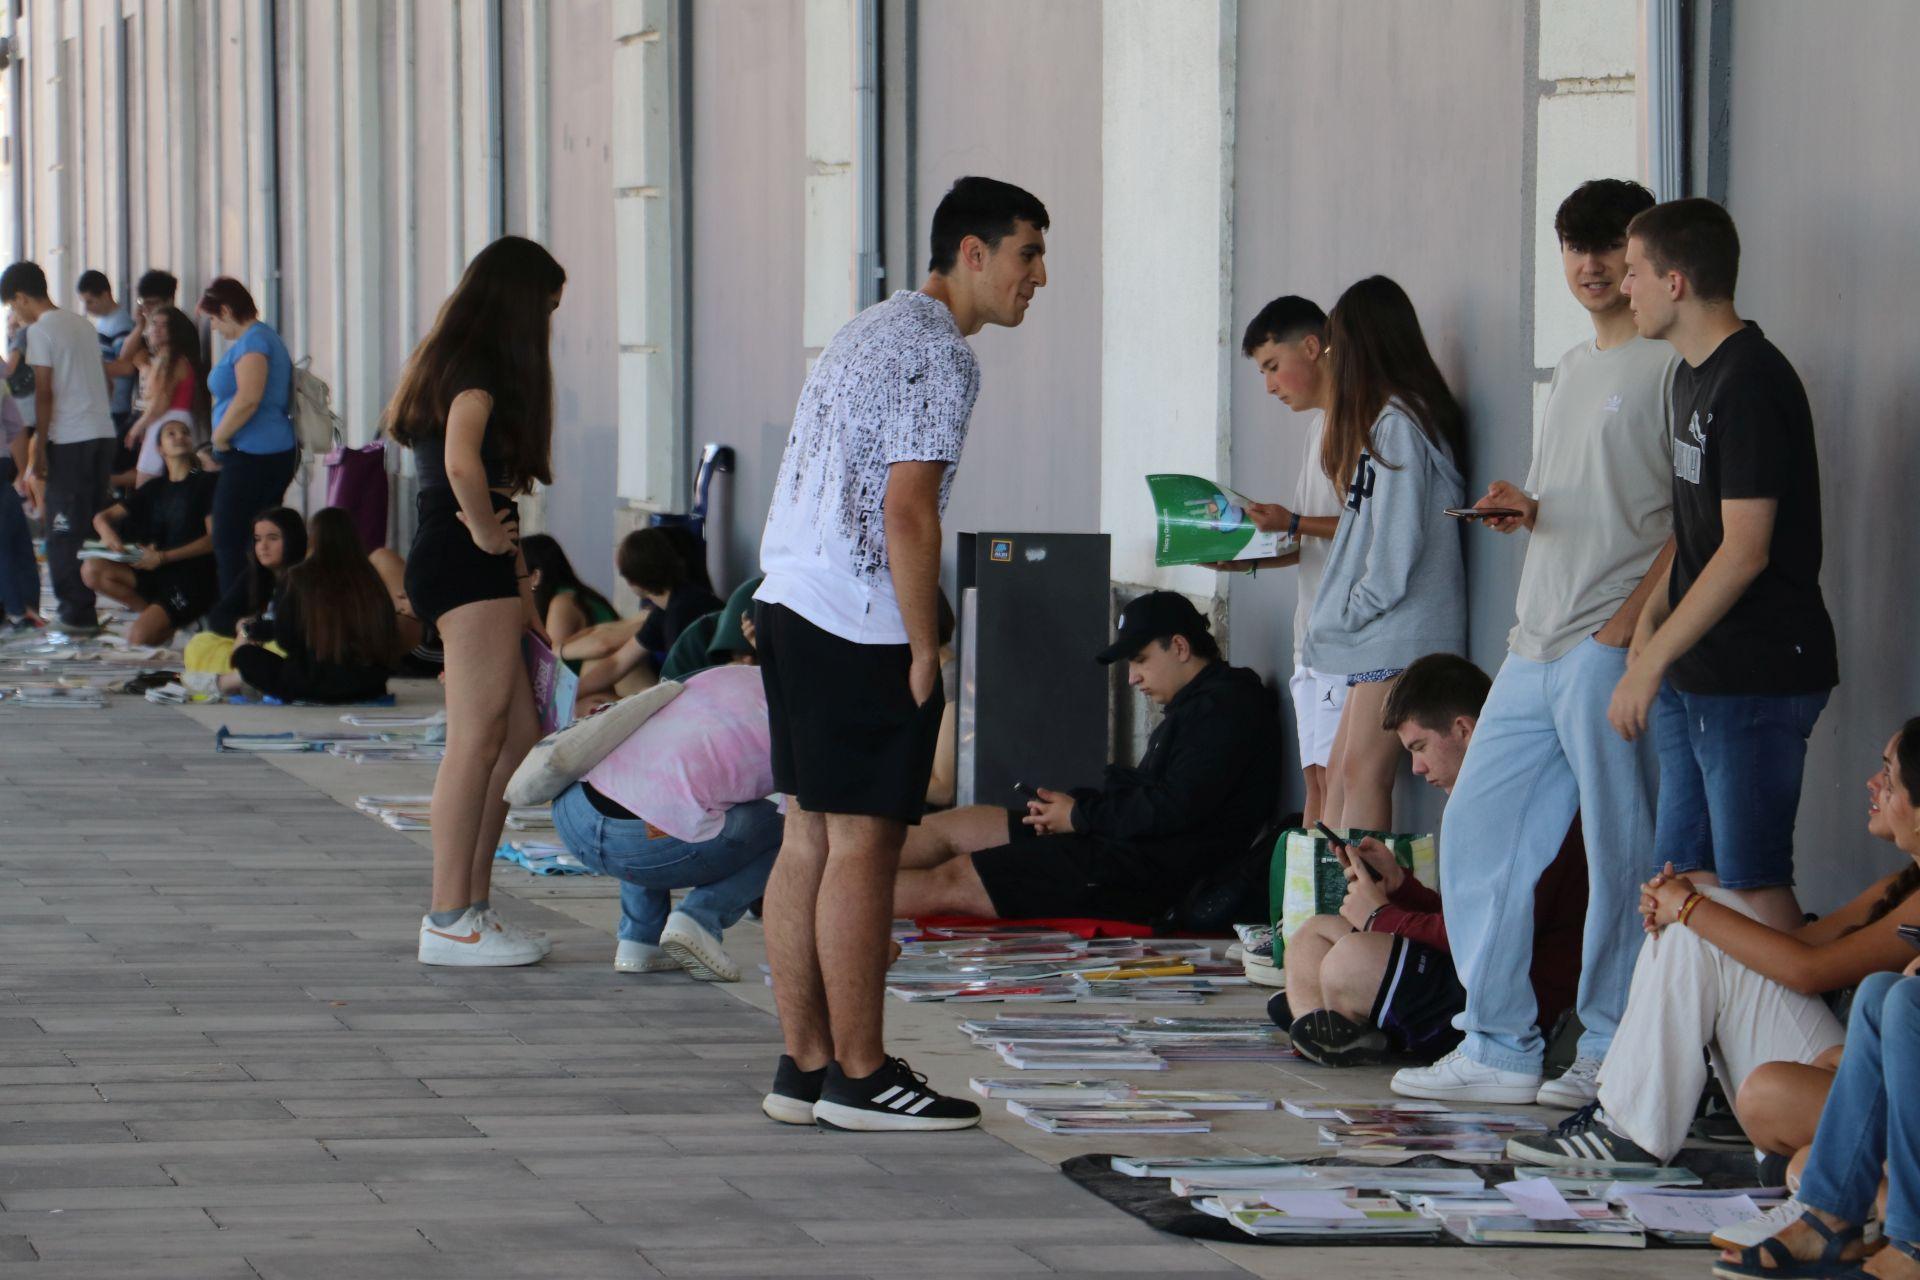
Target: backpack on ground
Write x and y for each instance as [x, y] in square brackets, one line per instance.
[314, 420]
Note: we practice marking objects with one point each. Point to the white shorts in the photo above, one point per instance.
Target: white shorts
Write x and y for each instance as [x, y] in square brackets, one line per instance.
[1318, 699]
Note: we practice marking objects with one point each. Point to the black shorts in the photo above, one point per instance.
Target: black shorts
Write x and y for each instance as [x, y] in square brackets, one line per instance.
[445, 569]
[847, 737]
[185, 589]
[1064, 877]
[1419, 997]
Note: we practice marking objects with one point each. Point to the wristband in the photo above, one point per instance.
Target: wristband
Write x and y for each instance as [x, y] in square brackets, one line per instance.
[1293, 526]
[1371, 917]
[1691, 905]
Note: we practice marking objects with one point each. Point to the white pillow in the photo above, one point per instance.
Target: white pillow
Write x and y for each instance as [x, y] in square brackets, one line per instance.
[564, 756]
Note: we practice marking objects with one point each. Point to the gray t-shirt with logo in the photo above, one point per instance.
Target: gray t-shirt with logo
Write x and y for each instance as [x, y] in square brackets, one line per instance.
[1603, 471]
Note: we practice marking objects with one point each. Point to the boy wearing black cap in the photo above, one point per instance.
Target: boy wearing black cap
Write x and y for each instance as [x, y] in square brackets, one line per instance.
[1131, 847]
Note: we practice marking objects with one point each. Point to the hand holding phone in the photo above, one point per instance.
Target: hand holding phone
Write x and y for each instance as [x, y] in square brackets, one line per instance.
[1486, 513]
[1345, 853]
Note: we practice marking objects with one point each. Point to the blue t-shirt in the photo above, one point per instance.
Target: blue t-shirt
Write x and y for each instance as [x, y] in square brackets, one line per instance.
[113, 329]
[270, 429]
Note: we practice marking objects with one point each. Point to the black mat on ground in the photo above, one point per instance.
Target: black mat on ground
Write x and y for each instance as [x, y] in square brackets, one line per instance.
[1150, 1200]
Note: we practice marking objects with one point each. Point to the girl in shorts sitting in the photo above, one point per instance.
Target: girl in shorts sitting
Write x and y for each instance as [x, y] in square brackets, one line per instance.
[170, 522]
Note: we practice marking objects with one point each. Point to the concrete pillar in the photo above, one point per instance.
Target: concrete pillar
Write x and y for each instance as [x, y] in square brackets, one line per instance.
[832, 231]
[1166, 263]
[362, 395]
[647, 264]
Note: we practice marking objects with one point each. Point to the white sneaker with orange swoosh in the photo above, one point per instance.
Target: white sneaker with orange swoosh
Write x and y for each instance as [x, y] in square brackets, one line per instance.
[470, 942]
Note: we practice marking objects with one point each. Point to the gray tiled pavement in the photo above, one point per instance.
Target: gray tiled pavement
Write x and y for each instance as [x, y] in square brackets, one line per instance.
[218, 1059]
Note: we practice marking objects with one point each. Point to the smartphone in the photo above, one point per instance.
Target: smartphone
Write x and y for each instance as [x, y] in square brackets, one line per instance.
[1909, 934]
[1025, 792]
[1485, 513]
[1346, 854]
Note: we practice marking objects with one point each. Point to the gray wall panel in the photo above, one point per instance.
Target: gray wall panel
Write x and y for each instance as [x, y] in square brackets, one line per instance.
[1391, 138]
[747, 218]
[1027, 114]
[1822, 185]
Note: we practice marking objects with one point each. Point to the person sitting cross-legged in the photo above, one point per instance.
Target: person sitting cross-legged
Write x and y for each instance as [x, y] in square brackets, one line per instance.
[170, 521]
[1377, 980]
[1132, 847]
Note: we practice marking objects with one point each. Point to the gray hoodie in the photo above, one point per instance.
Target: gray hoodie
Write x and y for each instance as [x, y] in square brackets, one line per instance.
[1395, 585]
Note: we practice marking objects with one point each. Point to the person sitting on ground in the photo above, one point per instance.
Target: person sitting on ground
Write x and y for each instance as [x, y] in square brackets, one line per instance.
[626, 655]
[1751, 993]
[719, 638]
[279, 543]
[1131, 848]
[1377, 980]
[1870, 1127]
[682, 804]
[569, 605]
[333, 617]
[171, 521]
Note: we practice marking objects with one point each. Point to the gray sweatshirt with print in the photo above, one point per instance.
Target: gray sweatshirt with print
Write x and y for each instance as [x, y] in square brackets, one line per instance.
[1395, 585]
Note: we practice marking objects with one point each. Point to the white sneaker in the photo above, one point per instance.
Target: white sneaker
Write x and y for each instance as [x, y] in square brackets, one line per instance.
[469, 942]
[697, 951]
[1458, 1078]
[1574, 1088]
[642, 957]
[491, 920]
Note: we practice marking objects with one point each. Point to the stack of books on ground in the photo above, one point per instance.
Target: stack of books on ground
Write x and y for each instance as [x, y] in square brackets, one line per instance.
[59, 697]
[1070, 1042]
[1054, 966]
[225, 739]
[1478, 1137]
[1091, 1093]
[402, 813]
[1321, 1214]
[388, 749]
[541, 857]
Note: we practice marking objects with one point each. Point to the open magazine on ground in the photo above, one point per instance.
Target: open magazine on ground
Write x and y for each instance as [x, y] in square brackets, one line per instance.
[1202, 522]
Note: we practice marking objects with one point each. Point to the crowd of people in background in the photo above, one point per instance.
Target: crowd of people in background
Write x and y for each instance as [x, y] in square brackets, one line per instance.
[1617, 849]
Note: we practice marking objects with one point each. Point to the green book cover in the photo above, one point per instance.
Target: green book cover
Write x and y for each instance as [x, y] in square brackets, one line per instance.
[1200, 522]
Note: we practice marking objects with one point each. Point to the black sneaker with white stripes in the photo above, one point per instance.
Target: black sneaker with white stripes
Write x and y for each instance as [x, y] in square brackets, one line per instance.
[896, 1097]
[1582, 1138]
[794, 1092]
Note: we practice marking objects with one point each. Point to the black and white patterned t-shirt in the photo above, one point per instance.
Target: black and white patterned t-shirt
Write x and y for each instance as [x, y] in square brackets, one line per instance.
[896, 384]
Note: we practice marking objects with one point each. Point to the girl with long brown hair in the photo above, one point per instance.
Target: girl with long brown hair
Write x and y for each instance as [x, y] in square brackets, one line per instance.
[475, 405]
[176, 390]
[332, 616]
[1394, 588]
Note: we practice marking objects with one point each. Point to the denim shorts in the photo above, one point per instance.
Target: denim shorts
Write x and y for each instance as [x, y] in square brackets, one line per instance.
[1730, 771]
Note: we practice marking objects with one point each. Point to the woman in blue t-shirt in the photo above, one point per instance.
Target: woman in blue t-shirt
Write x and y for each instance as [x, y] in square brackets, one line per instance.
[253, 437]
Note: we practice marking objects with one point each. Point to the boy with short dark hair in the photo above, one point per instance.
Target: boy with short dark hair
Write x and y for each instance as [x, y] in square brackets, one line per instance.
[1376, 981]
[115, 327]
[1595, 505]
[73, 439]
[1735, 659]
[1287, 342]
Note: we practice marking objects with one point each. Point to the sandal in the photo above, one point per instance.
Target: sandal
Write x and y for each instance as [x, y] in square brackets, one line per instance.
[1751, 1264]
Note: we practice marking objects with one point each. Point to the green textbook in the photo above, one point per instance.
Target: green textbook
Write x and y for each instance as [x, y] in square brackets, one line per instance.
[1201, 522]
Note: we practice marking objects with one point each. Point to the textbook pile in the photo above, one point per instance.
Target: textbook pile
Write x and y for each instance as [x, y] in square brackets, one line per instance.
[1112, 1106]
[355, 748]
[1117, 1042]
[962, 965]
[52, 668]
[1588, 1206]
[414, 813]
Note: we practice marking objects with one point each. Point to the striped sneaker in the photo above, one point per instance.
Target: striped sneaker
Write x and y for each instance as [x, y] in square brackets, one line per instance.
[1582, 1138]
[896, 1097]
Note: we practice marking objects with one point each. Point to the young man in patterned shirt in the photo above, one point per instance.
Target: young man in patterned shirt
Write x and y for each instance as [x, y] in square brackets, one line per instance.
[849, 651]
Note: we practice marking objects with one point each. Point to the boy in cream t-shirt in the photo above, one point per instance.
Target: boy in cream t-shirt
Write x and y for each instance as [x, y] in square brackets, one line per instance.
[1597, 504]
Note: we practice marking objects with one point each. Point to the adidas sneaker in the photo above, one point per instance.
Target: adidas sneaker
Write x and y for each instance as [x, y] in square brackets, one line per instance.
[894, 1098]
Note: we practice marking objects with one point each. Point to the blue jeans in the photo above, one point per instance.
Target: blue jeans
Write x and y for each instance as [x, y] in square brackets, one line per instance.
[249, 483]
[1866, 1123]
[1730, 770]
[725, 874]
[1542, 752]
[19, 574]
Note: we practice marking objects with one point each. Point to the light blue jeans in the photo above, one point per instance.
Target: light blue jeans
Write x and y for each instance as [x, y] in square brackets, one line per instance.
[724, 874]
[1872, 1116]
[1543, 751]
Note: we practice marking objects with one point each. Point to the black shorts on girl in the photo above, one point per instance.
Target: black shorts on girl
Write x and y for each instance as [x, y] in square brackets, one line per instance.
[445, 569]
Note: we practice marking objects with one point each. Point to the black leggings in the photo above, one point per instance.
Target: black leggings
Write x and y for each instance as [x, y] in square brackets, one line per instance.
[292, 681]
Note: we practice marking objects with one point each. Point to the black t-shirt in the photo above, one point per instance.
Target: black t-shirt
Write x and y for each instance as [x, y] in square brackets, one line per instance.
[1743, 429]
[167, 513]
[659, 631]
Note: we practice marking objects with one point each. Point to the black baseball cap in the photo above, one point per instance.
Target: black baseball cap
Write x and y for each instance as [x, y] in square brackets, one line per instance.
[1158, 615]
